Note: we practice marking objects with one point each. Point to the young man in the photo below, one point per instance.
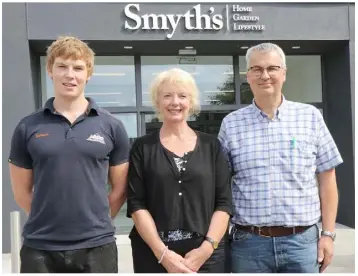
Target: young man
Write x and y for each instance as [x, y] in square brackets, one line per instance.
[61, 159]
[276, 149]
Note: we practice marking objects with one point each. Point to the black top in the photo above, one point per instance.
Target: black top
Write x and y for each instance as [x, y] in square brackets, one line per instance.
[178, 234]
[183, 199]
[70, 208]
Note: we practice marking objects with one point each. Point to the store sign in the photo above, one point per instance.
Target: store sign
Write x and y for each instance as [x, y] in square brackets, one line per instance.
[194, 19]
[244, 21]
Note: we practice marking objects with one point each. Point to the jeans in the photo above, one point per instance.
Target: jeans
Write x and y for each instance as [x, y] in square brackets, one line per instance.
[296, 253]
[101, 259]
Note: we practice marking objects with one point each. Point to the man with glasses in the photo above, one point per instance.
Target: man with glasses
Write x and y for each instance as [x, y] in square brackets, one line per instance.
[276, 148]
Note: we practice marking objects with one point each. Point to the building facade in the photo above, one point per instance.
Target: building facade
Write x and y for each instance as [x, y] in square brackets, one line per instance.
[134, 42]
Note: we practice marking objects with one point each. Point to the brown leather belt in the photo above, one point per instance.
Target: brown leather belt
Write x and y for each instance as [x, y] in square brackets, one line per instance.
[272, 231]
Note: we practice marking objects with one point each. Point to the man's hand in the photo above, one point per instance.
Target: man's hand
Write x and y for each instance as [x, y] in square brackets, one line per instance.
[325, 252]
[174, 263]
[195, 258]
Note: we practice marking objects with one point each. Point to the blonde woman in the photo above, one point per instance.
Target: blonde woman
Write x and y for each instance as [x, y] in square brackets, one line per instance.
[179, 192]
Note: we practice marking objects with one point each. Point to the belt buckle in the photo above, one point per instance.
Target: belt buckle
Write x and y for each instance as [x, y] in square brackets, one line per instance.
[294, 230]
[261, 235]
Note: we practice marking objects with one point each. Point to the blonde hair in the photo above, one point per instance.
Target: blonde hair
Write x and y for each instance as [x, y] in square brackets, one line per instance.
[177, 78]
[70, 47]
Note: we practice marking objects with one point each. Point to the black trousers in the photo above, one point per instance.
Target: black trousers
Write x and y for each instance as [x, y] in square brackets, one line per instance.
[101, 259]
[144, 261]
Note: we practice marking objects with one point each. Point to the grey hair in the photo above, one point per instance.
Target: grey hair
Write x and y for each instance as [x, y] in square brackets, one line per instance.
[265, 47]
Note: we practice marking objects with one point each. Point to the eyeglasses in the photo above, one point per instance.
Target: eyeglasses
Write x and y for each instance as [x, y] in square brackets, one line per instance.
[272, 71]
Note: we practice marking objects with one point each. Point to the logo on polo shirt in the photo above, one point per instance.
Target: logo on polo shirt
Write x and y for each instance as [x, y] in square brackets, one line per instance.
[96, 138]
[38, 135]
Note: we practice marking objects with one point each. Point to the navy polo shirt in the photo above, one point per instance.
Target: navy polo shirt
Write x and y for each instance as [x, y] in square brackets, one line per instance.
[70, 163]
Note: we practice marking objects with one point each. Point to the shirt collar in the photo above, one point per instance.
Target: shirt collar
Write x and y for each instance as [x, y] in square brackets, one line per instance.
[92, 106]
[280, 112]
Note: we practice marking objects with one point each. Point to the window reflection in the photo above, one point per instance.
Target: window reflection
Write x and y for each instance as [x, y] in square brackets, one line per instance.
[46, 82]
[208, 122]
[121, 222]
[112, 82]
[214, 76]
[129, 121]
[303, 80]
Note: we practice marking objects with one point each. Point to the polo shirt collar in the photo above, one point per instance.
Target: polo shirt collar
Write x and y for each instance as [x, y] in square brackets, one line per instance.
[280, 112]
[92, 106]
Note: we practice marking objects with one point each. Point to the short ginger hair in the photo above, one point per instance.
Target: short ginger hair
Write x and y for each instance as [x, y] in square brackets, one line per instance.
[69, 47]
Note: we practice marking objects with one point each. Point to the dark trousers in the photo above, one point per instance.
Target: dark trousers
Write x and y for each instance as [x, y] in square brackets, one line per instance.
[144, 261]
[101, 259]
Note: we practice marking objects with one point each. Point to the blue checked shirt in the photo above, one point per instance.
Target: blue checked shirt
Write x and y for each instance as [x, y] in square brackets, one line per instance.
[274, 163]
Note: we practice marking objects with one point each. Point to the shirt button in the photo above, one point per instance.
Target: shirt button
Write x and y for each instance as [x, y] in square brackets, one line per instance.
[180, 194]
[185, 161]
[179, 181]
[183, 169]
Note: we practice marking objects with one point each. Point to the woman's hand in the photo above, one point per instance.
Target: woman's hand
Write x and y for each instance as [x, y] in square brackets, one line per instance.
[195, 258]
[174, 263]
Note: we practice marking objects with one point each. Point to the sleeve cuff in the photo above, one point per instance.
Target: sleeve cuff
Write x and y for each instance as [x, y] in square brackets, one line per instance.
[132, 209]
[120, 162]
[331, 166]
[226, 209]
[19, 164]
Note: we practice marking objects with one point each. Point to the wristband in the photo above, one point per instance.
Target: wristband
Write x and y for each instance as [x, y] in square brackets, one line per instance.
[162, 256]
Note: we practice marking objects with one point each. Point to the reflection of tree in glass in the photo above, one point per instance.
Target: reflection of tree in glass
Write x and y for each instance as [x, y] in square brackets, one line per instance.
[227, 94]
[155, 120]
[245, 90]
[246, 93]
[228, 97]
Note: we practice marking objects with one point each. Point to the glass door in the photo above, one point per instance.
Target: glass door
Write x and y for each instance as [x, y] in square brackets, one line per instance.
[207, 122]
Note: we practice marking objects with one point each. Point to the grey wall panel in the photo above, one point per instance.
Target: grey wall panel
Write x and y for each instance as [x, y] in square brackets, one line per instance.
[351, 21]
[106, 21]
[352, 59]
[339, 120]
[18, 98]
[352, 73]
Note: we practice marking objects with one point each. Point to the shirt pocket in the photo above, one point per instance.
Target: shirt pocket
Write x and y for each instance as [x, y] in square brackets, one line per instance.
[298, 155]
